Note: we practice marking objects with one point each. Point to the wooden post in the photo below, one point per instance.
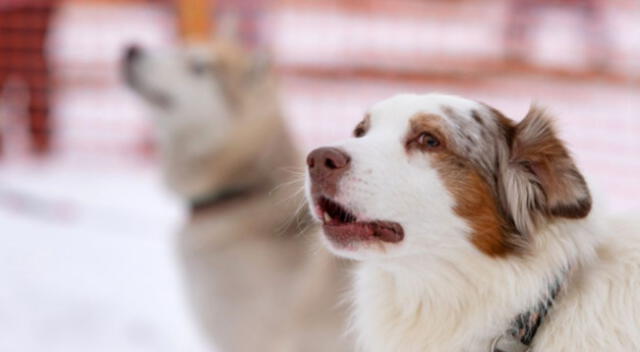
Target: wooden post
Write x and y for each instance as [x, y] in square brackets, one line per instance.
[195, 19]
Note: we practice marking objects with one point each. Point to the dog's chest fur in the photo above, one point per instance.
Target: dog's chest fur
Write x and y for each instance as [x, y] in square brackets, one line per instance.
[257, 285]
[395, 312]
[463, 308]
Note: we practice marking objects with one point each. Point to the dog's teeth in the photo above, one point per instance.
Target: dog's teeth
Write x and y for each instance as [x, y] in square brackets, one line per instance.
[327, 217]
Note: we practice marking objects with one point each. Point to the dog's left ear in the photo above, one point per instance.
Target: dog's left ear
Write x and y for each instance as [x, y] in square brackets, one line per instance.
[541, 179]
[260, 63]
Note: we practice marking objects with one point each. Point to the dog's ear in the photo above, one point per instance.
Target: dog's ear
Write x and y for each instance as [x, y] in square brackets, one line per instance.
[228, 27]
[260, 63]
[541, 180]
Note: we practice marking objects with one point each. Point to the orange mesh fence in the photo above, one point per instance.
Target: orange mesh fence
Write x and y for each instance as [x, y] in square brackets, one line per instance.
[23, 31]
[411, 38]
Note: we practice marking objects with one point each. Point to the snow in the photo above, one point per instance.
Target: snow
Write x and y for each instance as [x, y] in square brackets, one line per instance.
[87, 262]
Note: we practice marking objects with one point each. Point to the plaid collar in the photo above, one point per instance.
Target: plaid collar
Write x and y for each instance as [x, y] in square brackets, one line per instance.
[523, 328]
[221, 197]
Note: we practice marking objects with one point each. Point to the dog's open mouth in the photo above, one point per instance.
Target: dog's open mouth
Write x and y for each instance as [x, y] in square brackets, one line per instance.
[343, 228]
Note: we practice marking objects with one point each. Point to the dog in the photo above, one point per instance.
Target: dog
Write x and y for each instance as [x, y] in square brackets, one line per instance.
[256, 279]
[473, 233]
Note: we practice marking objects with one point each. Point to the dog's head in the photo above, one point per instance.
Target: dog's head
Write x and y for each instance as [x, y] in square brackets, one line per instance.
[208, 103]
[198, 86]
[435, 173]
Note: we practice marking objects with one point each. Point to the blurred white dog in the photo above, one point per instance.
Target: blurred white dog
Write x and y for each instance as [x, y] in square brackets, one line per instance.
[256, 281]
[475, 233]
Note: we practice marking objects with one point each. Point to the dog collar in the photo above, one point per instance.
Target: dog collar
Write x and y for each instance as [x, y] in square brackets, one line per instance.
[524, 327]
[200, 204]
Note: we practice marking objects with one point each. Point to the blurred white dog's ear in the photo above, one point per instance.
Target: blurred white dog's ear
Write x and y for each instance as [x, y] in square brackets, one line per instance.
[228, 27]
[261, 62]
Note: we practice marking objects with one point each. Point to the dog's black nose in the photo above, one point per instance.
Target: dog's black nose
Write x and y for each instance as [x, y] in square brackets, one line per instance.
[132, 53]
[326, 166]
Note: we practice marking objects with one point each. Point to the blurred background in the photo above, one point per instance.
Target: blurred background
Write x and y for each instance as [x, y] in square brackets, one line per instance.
[86, 225]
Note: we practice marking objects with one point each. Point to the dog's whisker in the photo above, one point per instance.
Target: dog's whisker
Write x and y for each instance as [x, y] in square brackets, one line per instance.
[286, 183]
[294, 194]
[299, 216]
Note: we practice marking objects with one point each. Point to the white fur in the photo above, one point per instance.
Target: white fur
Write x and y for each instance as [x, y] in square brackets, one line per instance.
[197, 119]
[435, 291]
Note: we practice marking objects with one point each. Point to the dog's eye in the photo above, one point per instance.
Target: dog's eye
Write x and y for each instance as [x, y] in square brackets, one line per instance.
[428, 140]
[199, 68]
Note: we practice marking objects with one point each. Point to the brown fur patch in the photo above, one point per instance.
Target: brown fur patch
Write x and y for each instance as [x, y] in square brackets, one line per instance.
[507, 126]
[475, 202]
[362, 127]
[538, 149]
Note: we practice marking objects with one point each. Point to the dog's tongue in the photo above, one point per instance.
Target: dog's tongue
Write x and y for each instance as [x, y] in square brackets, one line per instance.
[345, 234]
[388, 232]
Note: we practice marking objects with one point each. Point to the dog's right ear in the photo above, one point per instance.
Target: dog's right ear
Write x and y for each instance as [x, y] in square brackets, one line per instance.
[228, 28]
[541, 180]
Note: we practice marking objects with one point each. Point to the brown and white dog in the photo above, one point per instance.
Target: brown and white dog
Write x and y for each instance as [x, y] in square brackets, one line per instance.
[473, 233]
[255, 279]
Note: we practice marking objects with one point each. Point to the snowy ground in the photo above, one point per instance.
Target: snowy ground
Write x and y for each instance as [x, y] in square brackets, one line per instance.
[87, 262]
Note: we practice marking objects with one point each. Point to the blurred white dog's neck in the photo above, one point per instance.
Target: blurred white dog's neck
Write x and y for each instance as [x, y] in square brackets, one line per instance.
[460, 304]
